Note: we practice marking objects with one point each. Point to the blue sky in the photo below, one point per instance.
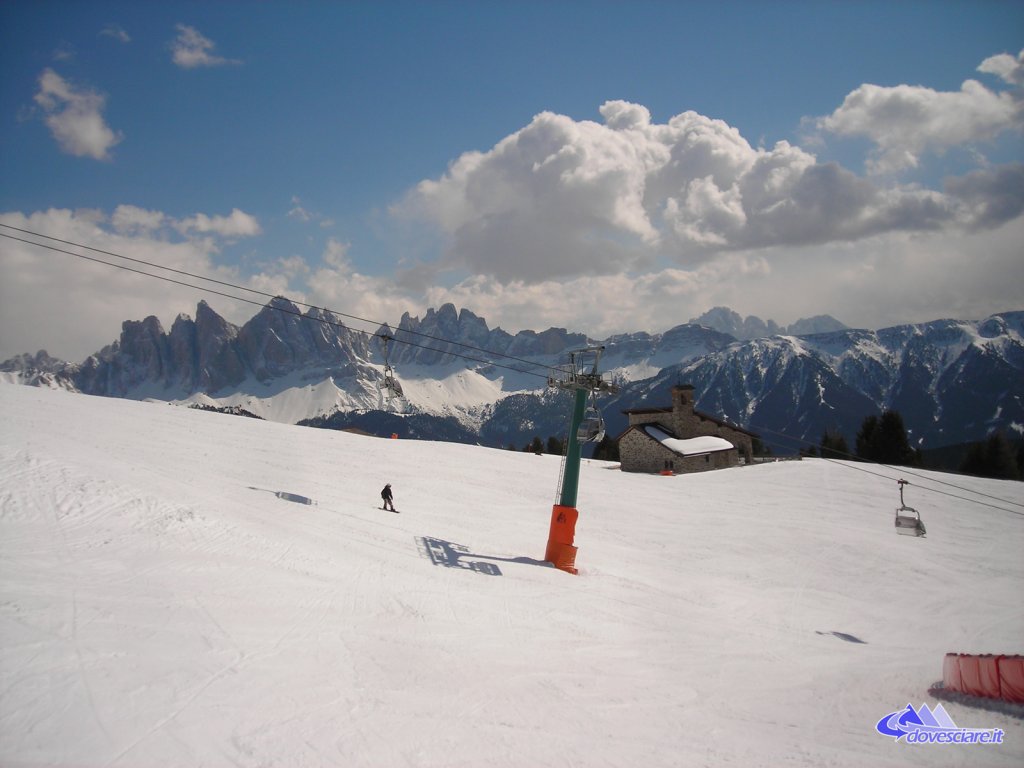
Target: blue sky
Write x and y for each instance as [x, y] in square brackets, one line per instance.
[600, 166]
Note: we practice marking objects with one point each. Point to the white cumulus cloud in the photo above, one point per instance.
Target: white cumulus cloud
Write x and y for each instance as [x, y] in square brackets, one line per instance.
[130, 219]
[116, 32]
[191, 49]
[905, 122]
[561, 198]
[1009, 68]
[72, 307]
[75, 117]
[236, 224]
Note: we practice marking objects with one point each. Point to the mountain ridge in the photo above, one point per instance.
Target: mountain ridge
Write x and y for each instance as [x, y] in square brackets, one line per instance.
[952, 380]
[752, 327]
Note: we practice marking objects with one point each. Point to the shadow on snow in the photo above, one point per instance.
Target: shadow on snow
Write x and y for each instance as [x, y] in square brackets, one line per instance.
[451, 555]
[293, 497]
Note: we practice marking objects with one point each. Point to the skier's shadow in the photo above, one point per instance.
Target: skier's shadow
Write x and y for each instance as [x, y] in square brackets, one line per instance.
[451, 555]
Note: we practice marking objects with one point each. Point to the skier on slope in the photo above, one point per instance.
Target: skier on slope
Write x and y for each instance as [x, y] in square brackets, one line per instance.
[386, 495]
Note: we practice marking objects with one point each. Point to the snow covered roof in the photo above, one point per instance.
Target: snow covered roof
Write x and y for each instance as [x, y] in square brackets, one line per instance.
[693, 446]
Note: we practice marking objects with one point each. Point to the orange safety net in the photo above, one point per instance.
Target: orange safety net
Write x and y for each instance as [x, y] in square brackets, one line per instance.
[987, 675]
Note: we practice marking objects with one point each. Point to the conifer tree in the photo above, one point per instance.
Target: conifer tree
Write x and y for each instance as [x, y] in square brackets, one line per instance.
[884, 440]
[534, 446]
[834, 446]
[607, 449]
[993, 457]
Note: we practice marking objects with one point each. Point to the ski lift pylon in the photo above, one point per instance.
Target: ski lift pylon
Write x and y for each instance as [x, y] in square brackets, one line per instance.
[908, 520]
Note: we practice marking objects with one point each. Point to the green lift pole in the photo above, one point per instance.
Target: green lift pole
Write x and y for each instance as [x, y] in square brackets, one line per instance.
[571, 475]
[561, 551]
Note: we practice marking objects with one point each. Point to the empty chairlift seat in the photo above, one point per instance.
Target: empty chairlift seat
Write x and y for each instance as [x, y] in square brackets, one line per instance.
[908, 520]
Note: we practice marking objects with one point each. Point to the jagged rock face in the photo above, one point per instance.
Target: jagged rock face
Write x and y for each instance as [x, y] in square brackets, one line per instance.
[334, 342]
[449, 333]
[204, 352]
[211, 355]
[141, 355]
[195, 355]
[812, 325]
[39, 370]
[952, 381]
[273, 343]
[183, 344]
[725, 320]
[549, 342]
[440, 336]
[145, 355]
[145, 344]
[281, 339]
[218, 362]
[746, 329]
[40, 362]
[700, 340]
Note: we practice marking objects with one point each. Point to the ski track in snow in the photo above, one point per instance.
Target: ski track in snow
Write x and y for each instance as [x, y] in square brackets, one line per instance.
[181, 588]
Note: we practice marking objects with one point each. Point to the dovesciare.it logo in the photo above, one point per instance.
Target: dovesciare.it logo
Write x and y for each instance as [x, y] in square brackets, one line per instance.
[933, 726]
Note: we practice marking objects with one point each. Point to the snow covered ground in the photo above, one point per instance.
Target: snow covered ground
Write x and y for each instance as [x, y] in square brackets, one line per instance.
[184, 588]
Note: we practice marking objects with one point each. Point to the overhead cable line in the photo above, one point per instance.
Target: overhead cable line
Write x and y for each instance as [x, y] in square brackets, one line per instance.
[905, 471]
[961, 488]
[322, 320]
[856, 461]
[531, 363]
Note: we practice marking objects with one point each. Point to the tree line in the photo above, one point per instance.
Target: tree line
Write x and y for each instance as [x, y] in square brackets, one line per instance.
[883, 440]
[606, 450]
[554, 445]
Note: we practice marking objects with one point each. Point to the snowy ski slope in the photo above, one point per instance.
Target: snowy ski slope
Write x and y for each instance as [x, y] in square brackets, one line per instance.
[183, 588]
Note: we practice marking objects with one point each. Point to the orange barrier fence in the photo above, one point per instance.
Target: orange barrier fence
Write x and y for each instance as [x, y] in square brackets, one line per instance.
[994, 677]
[1011, 677]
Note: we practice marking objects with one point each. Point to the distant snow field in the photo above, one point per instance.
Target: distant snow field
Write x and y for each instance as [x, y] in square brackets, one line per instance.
[184, 588]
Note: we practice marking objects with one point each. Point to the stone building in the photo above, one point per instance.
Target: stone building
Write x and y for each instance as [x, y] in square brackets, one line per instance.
[681, 439]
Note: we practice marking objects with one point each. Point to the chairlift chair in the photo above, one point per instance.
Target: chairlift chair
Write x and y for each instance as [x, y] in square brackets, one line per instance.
[389, 386]
[908, 520]
[591, 429]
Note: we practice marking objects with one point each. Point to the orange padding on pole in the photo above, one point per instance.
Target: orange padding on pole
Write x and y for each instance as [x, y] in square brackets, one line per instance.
[993, 677]
[563, 524]
[562, 556]
[561, 535]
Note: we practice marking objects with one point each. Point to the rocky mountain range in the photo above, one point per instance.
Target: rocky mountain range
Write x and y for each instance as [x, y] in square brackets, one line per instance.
[951, 380]
[752, 327]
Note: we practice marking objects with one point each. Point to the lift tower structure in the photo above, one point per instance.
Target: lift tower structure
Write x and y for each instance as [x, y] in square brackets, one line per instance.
[580, 376]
